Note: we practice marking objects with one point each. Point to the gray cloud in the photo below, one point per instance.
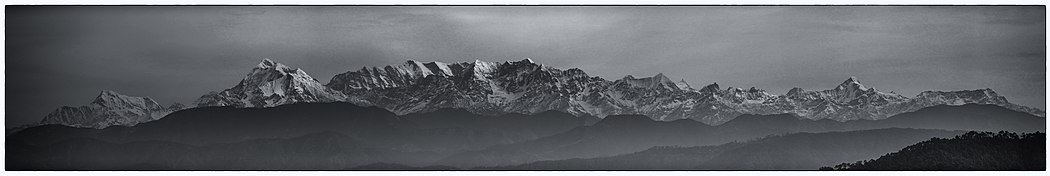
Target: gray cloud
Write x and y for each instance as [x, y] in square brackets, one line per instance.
[65, 55]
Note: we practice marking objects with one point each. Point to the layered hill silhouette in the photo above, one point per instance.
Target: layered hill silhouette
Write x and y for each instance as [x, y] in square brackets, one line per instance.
[798, 151]
[457, 130]
[334, 136]
[617, 135]
[317, 151]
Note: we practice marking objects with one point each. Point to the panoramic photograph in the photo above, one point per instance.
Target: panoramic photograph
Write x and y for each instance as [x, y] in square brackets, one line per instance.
[525, 88]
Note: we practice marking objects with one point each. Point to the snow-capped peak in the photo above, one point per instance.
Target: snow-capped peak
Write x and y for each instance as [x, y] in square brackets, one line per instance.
[109, 93]
[108, 109]
[657, 81]
[482, 67]
[267, 63]
[108, 96]
[661, 77]
[411, 72]
[851, 90]
[683, 85]
[526, 62]
[439, 68]
[272, 84]
[851, 83]
[268, 66]
[113, 99]
[414, 69]
[977, 94]
[523, 87]
[852, 79]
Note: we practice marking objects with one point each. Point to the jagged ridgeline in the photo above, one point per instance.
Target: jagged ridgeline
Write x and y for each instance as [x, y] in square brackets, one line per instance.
[515, 115]
[110, 108]
[526, 87]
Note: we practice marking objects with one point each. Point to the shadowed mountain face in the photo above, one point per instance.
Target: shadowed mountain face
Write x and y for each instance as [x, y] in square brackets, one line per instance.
[970, 151]
[801, 151]
[325, 136]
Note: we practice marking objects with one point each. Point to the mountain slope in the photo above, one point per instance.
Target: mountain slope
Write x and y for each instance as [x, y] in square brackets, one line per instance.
[110, 109]
[271, 84]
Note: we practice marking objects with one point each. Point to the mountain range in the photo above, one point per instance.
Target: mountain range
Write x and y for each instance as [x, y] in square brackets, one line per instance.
[108, 109]
[340, 135]
[526, 87]
[516, 115]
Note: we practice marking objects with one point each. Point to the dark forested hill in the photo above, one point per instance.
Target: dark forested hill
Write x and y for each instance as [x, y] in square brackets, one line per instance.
[970, 151]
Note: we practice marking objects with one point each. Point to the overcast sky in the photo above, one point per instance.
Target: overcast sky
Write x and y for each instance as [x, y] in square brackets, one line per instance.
[63, 56]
